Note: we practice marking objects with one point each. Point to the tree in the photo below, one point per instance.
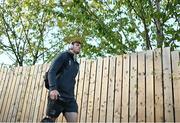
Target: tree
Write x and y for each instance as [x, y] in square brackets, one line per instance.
[154, 15]
[108, 27]
[25, 27]
[126, 24]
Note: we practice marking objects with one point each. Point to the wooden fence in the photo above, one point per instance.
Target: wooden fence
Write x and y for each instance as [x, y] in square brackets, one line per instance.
[142, 86]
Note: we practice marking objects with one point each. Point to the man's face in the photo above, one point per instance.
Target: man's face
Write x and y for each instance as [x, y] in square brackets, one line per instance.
[76, 48]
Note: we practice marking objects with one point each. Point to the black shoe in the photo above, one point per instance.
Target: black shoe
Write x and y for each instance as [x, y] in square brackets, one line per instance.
[47, 120]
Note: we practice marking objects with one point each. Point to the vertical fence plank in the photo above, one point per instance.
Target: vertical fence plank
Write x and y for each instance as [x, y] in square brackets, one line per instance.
[3, 84]
[104, 90]
[141, 87]
[110, 98]
[9, 94]
[80, 86]
[45, 94]
[77, 80]
[31, 95]
[24, 81]
[37, 79]
[46, 101]
[2, 76]
[39, 92]
[91, 91]
[125, 89]
[97, 99]
[4, 94]
[176, 83]
[168, 99]
[27, 93]
[43, 97]
[159, 105]
[118, 89]
[149, 87]
[85, 91]
[14, 94]
[16, 102]
[133, 89]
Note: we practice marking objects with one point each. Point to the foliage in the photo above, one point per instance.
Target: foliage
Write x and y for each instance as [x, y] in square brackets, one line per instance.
[25, 30]
[126, 24]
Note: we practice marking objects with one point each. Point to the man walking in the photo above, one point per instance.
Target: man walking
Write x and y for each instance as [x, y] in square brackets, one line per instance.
[61, 77]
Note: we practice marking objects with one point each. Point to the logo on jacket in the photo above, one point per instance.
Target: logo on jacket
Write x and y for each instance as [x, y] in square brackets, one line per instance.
[70, 62]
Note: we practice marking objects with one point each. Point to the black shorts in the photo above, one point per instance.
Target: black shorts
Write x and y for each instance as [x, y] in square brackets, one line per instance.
[55, 107]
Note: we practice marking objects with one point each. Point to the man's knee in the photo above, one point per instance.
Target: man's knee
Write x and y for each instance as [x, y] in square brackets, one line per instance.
[71, 116]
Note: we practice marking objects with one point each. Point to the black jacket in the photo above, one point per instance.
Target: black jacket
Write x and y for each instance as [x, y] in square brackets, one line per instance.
[62, 73]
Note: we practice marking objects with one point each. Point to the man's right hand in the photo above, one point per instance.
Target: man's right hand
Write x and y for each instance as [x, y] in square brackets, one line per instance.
[54, 94]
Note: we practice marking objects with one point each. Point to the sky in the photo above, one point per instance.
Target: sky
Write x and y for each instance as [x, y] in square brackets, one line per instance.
[4, 59]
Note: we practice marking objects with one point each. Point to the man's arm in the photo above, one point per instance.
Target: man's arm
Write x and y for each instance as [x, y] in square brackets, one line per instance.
[54, 68]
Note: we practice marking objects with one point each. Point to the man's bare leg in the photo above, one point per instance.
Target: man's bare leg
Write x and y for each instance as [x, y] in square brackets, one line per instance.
[71, 116]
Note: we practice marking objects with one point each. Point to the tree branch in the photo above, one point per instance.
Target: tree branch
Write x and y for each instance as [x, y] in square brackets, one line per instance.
[9, 39]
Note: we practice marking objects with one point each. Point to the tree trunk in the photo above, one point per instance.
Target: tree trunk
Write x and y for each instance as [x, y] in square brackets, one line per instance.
[148, 43]
[159, 26]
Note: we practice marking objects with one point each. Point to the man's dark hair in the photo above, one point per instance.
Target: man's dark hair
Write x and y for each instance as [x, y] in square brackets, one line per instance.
[76, 42]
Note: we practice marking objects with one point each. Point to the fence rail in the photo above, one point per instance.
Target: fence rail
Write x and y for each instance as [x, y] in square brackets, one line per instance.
[142, 86]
